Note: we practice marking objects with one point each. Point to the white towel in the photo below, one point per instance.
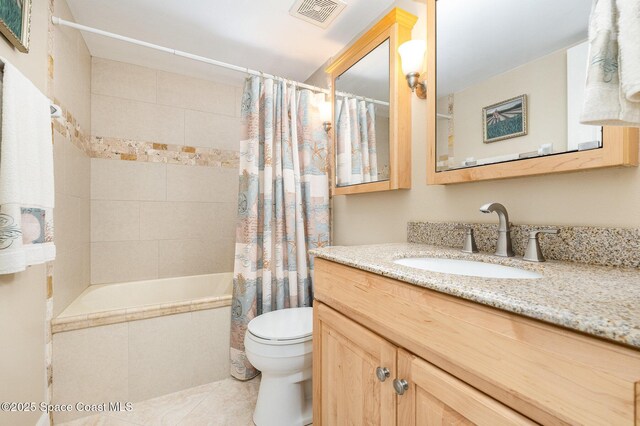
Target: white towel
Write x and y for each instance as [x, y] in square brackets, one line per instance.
[604, 101]
[26, 174]
[629, 39]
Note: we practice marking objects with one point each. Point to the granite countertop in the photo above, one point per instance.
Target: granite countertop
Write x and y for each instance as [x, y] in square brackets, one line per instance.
[597, 300]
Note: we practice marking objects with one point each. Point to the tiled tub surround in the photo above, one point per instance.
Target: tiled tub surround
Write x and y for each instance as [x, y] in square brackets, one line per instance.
[597, 300]
[134, 103]
[168, 210]
[591, 245]
[153, 221]
[170, 341]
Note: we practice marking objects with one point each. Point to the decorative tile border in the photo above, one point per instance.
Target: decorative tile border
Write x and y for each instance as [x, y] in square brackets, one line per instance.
[583, 244]
[69, 128]
[133, 150]
[152, 152]
[97, 319]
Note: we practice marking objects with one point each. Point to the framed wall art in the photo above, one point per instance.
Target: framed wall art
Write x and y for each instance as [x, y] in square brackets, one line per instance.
[15, 22]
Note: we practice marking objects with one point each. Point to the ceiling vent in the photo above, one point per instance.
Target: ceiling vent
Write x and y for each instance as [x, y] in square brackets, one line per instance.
[317, 12]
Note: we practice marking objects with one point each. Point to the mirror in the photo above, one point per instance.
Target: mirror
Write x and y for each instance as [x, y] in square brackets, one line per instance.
[371, 136]
[362, 120]
[510, 81]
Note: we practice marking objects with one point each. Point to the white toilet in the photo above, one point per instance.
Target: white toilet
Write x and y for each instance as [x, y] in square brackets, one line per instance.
[278, 344]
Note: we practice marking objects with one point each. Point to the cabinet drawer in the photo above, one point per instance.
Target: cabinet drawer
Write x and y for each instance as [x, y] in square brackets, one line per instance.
[547, 373]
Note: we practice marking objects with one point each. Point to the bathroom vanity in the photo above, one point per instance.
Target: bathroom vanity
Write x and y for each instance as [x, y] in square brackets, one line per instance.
[397, 345]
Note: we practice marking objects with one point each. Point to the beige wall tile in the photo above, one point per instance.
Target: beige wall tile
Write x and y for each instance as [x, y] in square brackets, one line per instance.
[123, 80]
[83, 235]
[115, 220]
[211, 130]
[59, 162]
[123, 118]
[66, 217]
[226, 216]
[91, 365]
[72, 69]
[127, 180]
[161, 356]
[186, 257]
[70, 276]
[213, 184]
[22, 315]
[192, 93]
[211, 328]
[225, 254]
[78, 175]
[177, 220]
[115, 261]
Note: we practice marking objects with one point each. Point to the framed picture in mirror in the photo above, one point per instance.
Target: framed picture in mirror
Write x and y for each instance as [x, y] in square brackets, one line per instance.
[505, 120]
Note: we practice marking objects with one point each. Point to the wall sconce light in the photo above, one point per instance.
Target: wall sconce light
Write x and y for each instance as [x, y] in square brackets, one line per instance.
[412, 57]
[325, 114]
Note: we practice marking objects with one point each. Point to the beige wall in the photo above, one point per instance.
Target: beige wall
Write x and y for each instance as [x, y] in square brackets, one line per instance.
[544, 81]
[23, 295]
[72, 90]
[156, 220]
[600, 197]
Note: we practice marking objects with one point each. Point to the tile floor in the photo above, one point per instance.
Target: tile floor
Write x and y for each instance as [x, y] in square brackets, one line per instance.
[226, 402]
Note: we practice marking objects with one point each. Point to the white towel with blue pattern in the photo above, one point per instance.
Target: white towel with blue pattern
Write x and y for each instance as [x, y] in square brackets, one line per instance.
[26, 174]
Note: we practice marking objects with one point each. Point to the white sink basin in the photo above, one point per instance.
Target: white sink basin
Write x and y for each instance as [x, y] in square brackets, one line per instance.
[467, 267]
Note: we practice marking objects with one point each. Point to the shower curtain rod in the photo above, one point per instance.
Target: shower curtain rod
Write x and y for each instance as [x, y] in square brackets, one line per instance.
[59, 21]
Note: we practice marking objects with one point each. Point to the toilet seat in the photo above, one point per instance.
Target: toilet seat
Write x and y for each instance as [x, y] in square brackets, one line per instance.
[283, 327]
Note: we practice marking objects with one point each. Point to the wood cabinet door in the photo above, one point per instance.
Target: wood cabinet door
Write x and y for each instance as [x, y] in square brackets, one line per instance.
[436, 398]
[347, 390]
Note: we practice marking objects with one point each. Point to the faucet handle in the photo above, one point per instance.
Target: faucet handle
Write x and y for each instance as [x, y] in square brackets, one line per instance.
[533, 253]
[469, 244]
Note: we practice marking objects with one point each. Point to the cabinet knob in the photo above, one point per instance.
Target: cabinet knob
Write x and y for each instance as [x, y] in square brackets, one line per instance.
[401, 386]
[383, 373]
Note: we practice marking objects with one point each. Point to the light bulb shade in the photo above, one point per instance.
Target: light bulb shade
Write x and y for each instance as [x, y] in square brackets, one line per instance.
[325, 111]
[412, 55]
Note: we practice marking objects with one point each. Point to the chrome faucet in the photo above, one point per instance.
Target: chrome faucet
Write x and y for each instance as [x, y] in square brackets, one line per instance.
[503, 246]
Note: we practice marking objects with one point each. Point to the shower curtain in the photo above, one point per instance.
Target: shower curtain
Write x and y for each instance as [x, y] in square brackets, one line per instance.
[357, 160]
[283, 205]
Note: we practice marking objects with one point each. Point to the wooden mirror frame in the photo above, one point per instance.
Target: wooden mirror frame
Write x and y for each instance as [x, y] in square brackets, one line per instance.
[619, 144]
[395, 26]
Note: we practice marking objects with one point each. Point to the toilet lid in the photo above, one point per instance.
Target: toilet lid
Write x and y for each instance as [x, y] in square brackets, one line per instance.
[285, 324]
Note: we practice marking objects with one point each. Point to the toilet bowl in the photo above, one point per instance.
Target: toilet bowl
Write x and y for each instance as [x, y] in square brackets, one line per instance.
[279, 344]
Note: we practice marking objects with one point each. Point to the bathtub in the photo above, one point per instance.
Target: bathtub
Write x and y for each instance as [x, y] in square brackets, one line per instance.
[112, 303]
[134, 341]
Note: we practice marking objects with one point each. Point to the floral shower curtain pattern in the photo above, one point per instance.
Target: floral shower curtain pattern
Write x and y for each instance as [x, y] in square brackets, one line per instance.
[283, 205]
[357, 160]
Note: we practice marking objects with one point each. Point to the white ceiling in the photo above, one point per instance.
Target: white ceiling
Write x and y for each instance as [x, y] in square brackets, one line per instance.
[482, 38]
[259, 34]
